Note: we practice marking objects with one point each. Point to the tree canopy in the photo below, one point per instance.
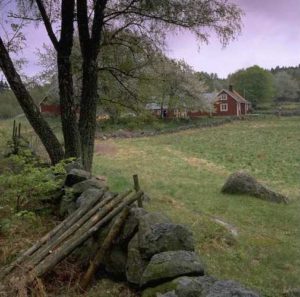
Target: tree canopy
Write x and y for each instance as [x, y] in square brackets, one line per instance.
[255, 83]
[149, 20]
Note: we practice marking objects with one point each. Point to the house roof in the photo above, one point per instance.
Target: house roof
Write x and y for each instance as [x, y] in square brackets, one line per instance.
[235, 95]
[154, 106]
[49, 100]
[210, 97]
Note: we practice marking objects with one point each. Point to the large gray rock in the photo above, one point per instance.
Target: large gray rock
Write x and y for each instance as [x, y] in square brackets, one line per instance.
[151, 219]
[71, 201]
[88, 195]
[184, 286]
[193, 286]
[203, 286]
[135, 265]
[76, 176]
[169, 265]
[94, 183]
[229, 288]
[67, 204]
[73, 165]
[243, 183]
[146, 222]
[164, 237]
[131, 225]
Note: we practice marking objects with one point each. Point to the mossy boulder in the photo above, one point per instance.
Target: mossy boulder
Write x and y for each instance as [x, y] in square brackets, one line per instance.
[203, 286]
[229, 288]
[184, 286]
[243, 183]
[164, 237]
[135, 265]
[91, 183]
[75, 176]
[169, 265]
[131, 225]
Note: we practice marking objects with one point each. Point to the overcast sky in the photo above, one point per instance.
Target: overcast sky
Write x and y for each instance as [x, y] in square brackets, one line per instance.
[270, 37]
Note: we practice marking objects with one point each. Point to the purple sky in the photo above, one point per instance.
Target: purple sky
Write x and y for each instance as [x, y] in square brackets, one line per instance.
[270, 37]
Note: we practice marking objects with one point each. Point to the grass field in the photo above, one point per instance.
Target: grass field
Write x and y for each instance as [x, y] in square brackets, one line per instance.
[239, 237]
[183, 174]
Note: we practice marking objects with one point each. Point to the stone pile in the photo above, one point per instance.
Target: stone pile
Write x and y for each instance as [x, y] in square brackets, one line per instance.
[150, 252]
[155, 255]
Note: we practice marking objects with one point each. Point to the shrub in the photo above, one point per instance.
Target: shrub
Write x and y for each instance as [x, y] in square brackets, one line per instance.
[26, 182]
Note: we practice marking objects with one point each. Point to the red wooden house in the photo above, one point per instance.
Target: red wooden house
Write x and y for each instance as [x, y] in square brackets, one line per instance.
[231, 103]
[227, 103]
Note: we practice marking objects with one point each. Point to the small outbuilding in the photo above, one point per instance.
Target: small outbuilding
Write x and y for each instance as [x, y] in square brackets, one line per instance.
[50, 106]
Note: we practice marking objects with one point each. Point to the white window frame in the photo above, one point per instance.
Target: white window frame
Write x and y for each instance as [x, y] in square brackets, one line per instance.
[223, 97]
[224, 107]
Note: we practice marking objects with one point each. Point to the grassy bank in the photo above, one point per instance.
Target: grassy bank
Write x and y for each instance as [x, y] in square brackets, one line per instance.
[183, 174]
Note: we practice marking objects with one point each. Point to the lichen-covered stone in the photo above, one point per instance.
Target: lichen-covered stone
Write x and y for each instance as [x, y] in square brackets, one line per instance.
[131, 225]
[243, 183]
[73, 165]
[88, 184]
[184, 286]
[229, 288]
[88, 195]
[169, 265]
[164, 237]
[202, 286]
[76, 176]
[135, 265]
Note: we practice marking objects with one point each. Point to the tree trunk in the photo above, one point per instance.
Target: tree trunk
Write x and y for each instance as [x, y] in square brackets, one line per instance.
[68, 107]
[90, 48]
[88, 108]
[40, 126]
[65, 79]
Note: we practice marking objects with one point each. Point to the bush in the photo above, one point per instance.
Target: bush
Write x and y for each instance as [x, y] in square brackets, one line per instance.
[25, 182]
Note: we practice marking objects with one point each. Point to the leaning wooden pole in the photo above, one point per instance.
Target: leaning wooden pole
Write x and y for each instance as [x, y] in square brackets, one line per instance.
[103, 207]
[82, 235]
[103, 251]
[54, 233]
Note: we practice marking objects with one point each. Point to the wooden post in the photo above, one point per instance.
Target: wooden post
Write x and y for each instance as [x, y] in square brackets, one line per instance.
[137, 188]
[14, 130]
[19, 132]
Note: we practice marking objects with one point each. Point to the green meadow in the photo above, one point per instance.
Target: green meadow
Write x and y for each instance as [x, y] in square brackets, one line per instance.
[239, 237]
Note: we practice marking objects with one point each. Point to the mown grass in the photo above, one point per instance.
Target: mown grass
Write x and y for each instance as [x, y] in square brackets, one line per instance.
[183, 174]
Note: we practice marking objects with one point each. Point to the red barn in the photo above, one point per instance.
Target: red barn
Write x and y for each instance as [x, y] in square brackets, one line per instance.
[50, 107]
